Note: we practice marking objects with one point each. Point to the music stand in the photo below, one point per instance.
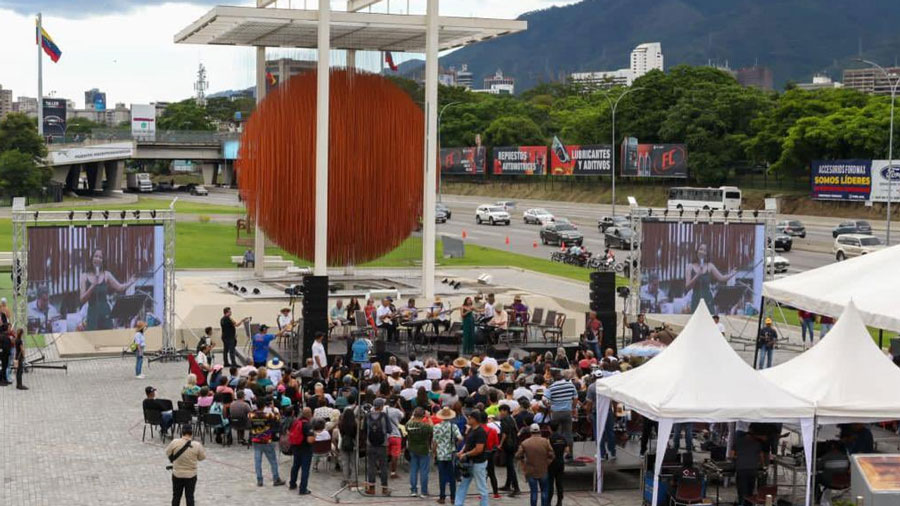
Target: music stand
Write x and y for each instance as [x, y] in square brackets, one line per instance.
[127, 306]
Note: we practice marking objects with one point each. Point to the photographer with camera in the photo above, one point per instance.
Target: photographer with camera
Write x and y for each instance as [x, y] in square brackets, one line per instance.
[184, 454]
[473, 460]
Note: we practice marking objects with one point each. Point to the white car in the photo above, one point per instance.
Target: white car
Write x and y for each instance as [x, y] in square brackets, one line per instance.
[538, 216]
[853, 245]
[781, 264]
[491, 215]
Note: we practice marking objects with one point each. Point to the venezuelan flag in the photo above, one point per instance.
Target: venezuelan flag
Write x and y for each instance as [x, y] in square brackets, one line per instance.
[43, 38]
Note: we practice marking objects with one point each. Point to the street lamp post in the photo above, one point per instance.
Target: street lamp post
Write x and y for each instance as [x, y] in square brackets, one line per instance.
[440, 116]
[613, 106]
[893, 80]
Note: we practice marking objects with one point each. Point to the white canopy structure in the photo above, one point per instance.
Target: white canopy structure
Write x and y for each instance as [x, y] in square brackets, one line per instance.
[871, 280]
[700, 378]
[841, 375]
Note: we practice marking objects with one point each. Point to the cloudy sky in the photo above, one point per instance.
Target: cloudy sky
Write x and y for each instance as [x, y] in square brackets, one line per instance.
[124, 47]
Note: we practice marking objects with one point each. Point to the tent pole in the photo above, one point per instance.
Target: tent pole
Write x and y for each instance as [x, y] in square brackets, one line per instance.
[762, 312]
[881, 339]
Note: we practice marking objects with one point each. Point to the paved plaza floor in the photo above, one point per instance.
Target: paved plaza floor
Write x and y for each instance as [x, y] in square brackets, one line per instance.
[74, 438]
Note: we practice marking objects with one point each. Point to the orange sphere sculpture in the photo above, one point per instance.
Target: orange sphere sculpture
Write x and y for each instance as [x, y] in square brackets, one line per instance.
[375, 173]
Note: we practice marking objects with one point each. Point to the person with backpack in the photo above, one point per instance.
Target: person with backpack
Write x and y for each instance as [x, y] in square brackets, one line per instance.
[349, 431]
[184, 454]
[509, 440]
[378, 428]
[300, 439]
[420, 431]
[473, 460]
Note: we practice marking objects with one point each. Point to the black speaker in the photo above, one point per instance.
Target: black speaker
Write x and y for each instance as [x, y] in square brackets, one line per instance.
[603, 291]
[609, 319]
[315, 311]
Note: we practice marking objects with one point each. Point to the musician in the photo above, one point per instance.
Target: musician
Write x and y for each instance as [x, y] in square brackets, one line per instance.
[488, 312]
[440, 317]
[285, 323]
[520, 309]
[498, 323]
[652, 296]
[41, 309]
[409, 312]
[337, 313]
[96, 285]
[385, 319]
[352, 308]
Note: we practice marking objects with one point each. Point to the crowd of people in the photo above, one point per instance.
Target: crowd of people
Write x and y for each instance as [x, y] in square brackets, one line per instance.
[12, 349]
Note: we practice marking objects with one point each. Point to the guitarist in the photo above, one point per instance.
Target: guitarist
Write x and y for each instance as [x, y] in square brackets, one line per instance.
[386, 318]
[439, 316]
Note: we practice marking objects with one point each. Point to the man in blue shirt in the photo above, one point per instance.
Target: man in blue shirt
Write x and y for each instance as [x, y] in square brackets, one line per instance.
[360, 351]
[261, 342]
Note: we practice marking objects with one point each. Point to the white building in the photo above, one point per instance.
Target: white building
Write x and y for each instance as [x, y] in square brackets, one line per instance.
[644, 58]
[26, 105]
[498, 84]
[464, 77]
[819, 82]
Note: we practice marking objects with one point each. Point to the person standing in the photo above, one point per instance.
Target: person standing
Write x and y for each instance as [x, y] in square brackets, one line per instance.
[419, 433]
[301, 438]
[19, 362]
[467, 312]
[349, 432]
[229, 336]
[509, 441]
[748, 457]
[536, 454]
[263, 422]
[473, 456]
[5, 351]
[719, 325]
[593, 333]
[319, 356]
[260, 344]
[558, 466]
[640, 331]
[140, 344]
[825, 324]
[563, 398]
[446, 437]
[766, 342]
[377, 431]
[184, 454]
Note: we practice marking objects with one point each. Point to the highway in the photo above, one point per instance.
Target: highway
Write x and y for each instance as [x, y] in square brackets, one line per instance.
[813, 251]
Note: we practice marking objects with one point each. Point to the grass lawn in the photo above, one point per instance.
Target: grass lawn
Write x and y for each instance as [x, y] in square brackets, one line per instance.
[181, 206]
[791, 318]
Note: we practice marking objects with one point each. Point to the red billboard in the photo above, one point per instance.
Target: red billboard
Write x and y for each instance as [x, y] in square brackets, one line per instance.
[653, 160]
[520, 160]
[577, 160]
[462, 160]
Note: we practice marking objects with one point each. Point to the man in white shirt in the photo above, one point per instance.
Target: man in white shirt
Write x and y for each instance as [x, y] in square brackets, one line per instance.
[409, 392]
[320, 358]
[414, 362]
[719, 325]
[41, 309]
[488, 308]
[273, 370]
[384, 318]
[523, 391]
[203, 359]
[441, 318]
[284, 320]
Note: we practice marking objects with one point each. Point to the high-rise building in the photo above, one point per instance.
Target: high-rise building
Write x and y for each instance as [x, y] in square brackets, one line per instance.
[6, 102]
[95, 100]
[756, 77]
[26, 105]
[498, 84]
[819, 82]
[464, 77]
[644, 58]
[869, 80]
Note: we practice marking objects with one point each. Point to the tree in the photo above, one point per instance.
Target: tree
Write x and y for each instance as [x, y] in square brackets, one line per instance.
[18, 131]
[80, 126]
[20, 175]
[513, 131]
[185, 115]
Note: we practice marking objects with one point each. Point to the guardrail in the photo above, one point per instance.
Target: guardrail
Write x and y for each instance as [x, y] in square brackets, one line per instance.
[161, 137]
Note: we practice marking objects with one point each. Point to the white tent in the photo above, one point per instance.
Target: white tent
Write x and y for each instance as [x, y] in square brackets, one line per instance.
[873, 281]
[842, 375]
[700, 378]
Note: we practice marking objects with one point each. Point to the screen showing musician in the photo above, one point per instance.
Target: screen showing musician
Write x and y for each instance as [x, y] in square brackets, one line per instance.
[94, 278]
[683, 263]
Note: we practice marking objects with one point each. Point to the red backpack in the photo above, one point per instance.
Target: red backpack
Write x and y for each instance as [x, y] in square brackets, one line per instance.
[295, 436]
[493, 439]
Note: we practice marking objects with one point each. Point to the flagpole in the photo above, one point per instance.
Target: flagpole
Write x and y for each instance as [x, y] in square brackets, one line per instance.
[40, 97]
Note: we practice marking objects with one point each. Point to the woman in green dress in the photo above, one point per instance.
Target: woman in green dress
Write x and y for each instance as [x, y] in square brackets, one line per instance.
[467, 311]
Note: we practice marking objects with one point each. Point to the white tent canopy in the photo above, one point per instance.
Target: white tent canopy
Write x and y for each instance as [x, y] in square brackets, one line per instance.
[873, 281]
[699, 377]
[841, 375]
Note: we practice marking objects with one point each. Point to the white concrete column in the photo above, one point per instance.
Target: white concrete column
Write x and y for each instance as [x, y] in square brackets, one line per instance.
[351, 59]
[320, 267]
[431, 156]
[259, 238]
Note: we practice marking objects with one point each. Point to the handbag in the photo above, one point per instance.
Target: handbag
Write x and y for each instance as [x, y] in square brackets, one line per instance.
[133, 346]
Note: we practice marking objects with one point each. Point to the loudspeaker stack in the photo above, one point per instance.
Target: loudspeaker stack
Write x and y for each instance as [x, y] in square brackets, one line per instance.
[315, 311]
[603, 302]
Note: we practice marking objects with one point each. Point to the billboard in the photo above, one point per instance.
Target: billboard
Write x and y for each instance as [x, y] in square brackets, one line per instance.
[83, 278]
[653, 160]
[462, 160]
[841, 179]
[683, 263]
[95, 98]
[527, 160]
[143, 121]
[577, 160]
[881, 183]
[54, 117]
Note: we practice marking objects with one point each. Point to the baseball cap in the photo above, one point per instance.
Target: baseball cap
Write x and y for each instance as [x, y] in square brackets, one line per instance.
[149, 389]
[768, 320]
[535, 428]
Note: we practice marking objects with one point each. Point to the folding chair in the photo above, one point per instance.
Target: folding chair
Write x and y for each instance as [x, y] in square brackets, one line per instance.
[321, 450]
[153, 418]
[211, 421]
[553, 332]
[689, 491]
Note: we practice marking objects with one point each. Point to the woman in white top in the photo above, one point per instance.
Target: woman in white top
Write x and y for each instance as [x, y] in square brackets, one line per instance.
[140, 344]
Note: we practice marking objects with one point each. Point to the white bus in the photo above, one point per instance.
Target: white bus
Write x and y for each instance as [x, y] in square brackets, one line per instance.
[724, 197]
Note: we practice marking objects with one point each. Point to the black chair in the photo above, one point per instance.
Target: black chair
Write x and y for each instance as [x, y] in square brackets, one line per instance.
[189, 398]
[240, 425]
[211, 422]
[181, 418]
[153, 418]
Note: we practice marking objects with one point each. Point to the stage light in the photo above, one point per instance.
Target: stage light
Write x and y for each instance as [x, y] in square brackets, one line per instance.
[256, 291]
[444, 281]
[740, 214]
[650, 212]
[122, 214]
[36, 215]
[756, 213]
[697, 213]
[665, 213]
[105, 215]
[727, 212]
[623, 291]
[90, 215]
[230, 284]
[153, 213]
[137, 214]
[243, 289]
[71, 215]
[681, 212]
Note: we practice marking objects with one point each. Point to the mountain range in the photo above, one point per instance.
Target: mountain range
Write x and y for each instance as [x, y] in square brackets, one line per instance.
[795, 38]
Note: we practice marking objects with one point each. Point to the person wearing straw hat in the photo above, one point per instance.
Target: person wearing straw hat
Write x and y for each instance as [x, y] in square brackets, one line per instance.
[460, 363]
[439, 316]
[139, 344]
[274, 370]
[488, 373]
[443, 444]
